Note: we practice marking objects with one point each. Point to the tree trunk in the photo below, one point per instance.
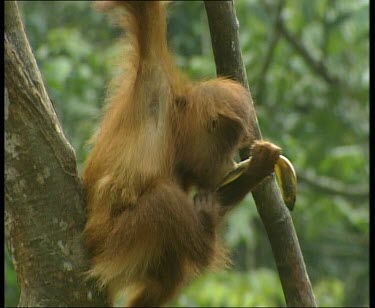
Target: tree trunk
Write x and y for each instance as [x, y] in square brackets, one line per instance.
[45, 208]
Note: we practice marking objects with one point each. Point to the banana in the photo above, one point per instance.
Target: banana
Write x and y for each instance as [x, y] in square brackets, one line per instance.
[238, 169]
[285, 176]
[287, 180]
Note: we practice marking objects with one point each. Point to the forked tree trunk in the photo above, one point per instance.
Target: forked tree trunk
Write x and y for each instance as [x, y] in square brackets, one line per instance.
[45, 211]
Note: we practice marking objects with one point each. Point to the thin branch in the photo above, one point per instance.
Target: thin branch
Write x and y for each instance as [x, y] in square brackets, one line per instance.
[317, 66]
[273, 212]
[270, 52]
[332, 186]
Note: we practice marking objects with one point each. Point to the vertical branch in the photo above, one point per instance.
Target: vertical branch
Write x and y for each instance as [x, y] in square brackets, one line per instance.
[227, 51]
[271, 208]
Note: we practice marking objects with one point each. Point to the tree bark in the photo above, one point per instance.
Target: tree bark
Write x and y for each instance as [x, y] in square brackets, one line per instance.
[270, 205]
[45, 207]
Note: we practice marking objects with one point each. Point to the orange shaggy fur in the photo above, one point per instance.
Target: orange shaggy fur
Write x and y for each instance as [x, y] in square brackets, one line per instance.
[160, 135]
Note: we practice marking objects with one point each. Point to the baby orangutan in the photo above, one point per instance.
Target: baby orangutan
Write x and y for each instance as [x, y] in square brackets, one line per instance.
[161, 135]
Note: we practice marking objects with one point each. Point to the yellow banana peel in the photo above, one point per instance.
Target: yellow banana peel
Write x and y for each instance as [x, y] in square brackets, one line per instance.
[238, 169]
[287, 180]
[285, 176]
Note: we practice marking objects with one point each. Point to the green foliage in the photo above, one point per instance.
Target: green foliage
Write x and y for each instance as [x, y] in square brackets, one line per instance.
[329, 293]
[75, 63]
[12, 293]
[67, 61]
[322, 127]
[233, 289]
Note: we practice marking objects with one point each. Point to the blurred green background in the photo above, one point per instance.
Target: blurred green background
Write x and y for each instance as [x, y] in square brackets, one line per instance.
[309, 77]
